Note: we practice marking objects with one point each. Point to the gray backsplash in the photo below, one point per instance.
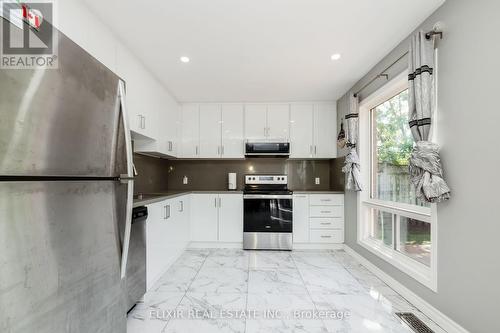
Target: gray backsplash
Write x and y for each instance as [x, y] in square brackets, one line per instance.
[151, 174]
[212, 174]
[160, 175]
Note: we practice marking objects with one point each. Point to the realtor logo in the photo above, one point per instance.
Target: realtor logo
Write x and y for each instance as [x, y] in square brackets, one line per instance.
[28, 37]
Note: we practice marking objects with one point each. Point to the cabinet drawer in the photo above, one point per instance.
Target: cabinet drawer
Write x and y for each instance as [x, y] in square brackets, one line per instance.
[326, 223]
[326, 236]
[326, 211]
[326, 199]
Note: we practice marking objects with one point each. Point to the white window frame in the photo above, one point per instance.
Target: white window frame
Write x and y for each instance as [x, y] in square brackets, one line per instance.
[426, 275]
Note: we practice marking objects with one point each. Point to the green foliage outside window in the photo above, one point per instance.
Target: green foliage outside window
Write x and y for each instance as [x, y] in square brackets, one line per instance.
[394, 139]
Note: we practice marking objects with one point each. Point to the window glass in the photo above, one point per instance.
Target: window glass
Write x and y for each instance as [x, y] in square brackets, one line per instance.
[382, 226]
[392, 144]
[415, 239]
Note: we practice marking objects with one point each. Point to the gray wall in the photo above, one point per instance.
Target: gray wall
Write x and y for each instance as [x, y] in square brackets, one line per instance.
[469, 118]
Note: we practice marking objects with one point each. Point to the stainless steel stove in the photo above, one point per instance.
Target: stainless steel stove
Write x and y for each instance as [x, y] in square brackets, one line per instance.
[267, 222]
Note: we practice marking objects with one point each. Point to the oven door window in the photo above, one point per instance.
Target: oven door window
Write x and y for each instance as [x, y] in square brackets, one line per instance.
[268, 215]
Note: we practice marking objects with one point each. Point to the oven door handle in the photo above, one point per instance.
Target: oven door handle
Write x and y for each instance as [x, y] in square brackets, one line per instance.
[266, 196]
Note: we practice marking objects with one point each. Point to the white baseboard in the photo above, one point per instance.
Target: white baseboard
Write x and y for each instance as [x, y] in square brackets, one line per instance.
[430, 311]
[215, 245]
[317, 246]
[238, 245]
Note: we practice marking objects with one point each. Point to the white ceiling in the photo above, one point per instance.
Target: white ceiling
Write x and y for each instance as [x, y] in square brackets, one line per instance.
[261, 50]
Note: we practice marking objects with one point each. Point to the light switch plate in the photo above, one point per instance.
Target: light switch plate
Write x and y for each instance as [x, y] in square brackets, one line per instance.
[185, 180]
[316, 180]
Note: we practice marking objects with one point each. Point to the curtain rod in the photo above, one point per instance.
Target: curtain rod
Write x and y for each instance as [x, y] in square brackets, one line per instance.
[383, 73]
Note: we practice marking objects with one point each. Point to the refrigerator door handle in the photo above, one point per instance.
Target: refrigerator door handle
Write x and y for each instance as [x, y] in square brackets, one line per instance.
[126, 178]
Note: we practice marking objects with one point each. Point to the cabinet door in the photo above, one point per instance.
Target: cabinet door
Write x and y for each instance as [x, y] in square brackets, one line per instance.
[301, 130]
[255, 121]
[231, 217]
[155, 246]
[278, 122]
[300, 218]
[232, 131]
[204, 217]
[325, 130]
[183, 207]
[190, 129]
[210, 131]
[139, 95]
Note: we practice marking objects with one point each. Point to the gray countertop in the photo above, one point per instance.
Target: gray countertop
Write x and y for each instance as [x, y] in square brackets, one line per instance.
[150, 198]
[318, 192]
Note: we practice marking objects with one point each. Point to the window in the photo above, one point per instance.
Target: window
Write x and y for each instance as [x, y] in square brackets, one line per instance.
[392, 144]
[392, 222]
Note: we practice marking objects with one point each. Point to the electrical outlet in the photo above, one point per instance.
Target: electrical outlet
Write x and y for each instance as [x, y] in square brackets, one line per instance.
[316, 180]
[185, 180]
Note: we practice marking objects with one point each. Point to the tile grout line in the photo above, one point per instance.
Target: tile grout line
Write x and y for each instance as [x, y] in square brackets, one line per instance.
[185, 292]
[308, 293]
[248, 287]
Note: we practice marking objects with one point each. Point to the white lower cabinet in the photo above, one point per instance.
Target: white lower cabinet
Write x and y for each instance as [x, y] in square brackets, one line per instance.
[217, 217]
[204, 217]
[167, 235]
[300, 218]
[318, 218]
[230, 218]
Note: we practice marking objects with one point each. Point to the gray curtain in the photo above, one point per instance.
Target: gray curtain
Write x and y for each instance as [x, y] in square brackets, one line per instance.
[351, 165]
[426, 172]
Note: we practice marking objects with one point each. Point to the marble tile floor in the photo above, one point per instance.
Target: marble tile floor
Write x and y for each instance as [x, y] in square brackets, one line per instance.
[229, 290]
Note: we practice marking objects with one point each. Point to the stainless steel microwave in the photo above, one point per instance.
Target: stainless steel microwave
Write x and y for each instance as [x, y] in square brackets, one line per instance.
[281, 149]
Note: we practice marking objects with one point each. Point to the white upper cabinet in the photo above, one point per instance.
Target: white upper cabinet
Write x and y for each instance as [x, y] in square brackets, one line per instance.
[268, 122]
[255, 121]
[325, 130]
[313, 130]
[190, 129]
[232, 131]
[301, 130]
[278, 122]
[210, 131]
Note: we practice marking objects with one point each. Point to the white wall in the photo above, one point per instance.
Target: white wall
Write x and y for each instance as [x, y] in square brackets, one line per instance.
[81, 25]
[469, 117]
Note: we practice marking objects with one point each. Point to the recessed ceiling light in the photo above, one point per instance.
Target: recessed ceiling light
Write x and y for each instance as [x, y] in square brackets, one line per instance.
[336, 56]
[184, 59]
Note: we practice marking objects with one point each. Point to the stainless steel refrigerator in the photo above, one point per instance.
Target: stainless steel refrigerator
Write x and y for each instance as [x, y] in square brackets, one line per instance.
[65, 196]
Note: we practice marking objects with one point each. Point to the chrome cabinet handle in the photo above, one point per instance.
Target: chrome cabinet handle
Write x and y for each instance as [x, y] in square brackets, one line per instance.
[196, 150]
[325, 199]
[220, 202]
[326, 211]
[315, 152]
[215, 202]
[311, 149]
[181, 207]
[325, 223]
[322, 236]
[223, 150]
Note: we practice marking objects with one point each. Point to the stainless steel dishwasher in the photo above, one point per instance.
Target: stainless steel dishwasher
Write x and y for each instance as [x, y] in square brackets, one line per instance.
[136, 266]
